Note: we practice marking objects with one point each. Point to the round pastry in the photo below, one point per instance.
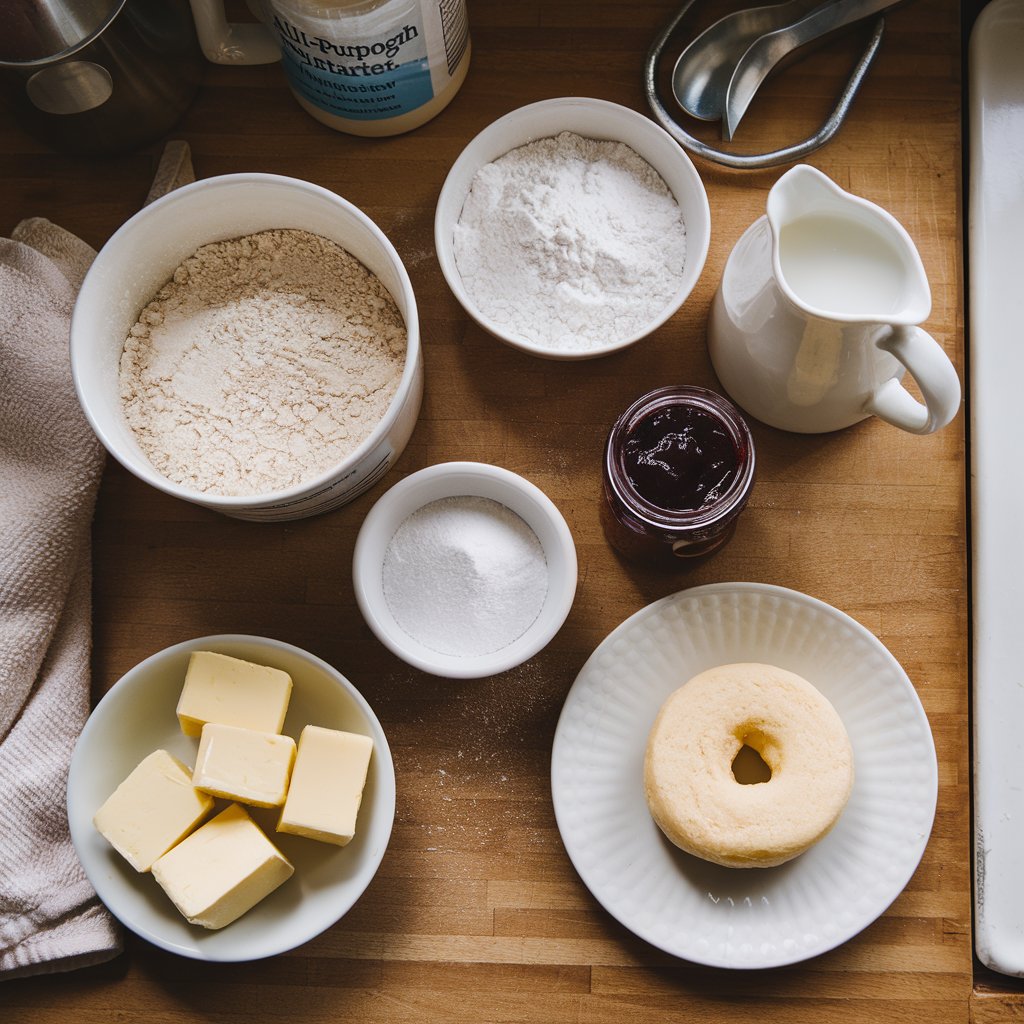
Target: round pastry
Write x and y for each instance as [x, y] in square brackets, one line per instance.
[696, 799]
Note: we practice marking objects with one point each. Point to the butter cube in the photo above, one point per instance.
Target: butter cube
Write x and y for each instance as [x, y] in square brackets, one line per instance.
[230, 691]
[222, 870]
[327, 785]
[245, 765]
[152, 810]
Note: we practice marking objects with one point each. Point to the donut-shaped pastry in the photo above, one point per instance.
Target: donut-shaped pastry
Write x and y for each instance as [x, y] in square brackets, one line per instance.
[696, 799]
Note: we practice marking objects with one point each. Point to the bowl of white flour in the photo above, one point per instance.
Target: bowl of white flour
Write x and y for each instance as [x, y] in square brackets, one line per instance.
[572, 228]
[250, 343]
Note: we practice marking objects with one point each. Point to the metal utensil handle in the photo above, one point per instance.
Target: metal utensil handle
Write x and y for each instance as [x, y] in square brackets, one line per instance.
[751, 161]
[765, 53]
[828, 17]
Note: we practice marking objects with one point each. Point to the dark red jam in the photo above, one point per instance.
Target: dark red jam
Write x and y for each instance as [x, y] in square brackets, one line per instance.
[678, 470]
[681, 458]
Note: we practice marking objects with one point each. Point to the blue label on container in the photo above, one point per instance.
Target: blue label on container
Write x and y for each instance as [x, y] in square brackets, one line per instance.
[362, 81]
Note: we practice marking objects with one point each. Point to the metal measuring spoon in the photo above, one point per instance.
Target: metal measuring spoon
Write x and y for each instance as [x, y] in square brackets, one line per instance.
[764, 53]
[751, 161]
[702, 72]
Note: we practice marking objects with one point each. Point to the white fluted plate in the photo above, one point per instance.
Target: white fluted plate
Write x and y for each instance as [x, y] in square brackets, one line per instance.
[754, 917]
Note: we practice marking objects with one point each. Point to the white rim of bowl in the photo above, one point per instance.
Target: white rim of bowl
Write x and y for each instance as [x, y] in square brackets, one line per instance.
[445, 252]
[367, 560]
[412, 354]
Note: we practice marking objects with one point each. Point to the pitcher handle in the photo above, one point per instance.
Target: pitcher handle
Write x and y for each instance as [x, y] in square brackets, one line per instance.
[936, 377]
[225, 42]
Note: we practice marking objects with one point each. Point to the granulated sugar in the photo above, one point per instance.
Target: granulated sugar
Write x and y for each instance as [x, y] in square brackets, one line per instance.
[263, 362]
[465, 576]
[570, 243]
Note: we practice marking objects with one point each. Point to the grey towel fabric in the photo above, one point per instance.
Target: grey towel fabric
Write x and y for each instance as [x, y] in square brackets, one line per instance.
[50, 466]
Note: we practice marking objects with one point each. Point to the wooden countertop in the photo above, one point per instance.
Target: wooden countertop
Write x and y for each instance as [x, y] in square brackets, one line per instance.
[476, 913]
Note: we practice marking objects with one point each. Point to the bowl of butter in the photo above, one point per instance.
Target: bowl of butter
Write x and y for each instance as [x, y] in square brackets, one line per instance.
[231, 797]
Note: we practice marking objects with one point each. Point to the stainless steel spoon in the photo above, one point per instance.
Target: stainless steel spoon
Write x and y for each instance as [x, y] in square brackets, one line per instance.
[765, 53]
[701, 74]
[751, 161]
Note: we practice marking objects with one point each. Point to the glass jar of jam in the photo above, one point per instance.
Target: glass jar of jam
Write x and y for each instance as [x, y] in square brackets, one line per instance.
[678, 469]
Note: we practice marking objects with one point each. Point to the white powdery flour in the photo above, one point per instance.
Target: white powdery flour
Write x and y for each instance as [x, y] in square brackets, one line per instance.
[570, 242]
[262, 363]
[465, 576]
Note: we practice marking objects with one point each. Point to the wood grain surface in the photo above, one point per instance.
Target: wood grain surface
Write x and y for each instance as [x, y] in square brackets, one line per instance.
[476, 913]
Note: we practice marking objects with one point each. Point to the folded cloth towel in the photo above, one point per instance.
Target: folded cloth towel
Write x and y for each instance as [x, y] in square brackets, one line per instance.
[50, 466]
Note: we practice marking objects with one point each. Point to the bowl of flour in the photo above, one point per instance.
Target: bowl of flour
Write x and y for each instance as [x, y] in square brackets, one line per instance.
[250, 343]
[572, 228]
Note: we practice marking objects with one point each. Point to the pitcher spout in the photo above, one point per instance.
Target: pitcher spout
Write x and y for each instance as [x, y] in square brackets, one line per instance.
[803, 190]
[840, 257]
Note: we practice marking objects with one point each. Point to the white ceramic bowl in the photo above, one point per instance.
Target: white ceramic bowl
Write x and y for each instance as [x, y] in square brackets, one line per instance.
[139, 259]
[590, 118]
[453, 479]
[137, 716]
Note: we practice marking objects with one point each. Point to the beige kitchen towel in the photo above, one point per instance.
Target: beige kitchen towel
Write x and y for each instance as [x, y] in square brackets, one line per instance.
[50, 465]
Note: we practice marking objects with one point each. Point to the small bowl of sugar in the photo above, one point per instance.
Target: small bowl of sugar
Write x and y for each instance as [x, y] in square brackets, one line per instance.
[464, 570]
[572, 228]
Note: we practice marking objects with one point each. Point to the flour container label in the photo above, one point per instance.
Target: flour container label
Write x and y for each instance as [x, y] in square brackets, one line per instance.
[375, 65]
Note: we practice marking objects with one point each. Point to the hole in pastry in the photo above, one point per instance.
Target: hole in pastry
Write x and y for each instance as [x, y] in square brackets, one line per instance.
[749, 767]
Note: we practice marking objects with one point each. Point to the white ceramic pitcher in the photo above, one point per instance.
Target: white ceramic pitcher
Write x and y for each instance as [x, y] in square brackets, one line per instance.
[814, 323]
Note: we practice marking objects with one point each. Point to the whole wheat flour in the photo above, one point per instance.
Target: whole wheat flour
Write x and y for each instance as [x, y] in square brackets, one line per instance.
[570, 242]
[261, 363]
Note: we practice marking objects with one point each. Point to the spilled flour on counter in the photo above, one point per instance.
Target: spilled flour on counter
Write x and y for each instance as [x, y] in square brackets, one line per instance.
[261, 363]
[570, 242]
